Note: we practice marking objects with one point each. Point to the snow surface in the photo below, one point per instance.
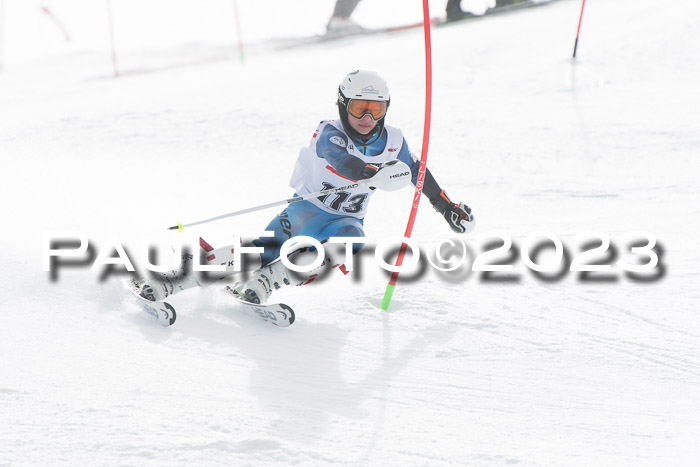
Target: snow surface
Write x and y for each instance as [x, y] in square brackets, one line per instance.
[460, 371]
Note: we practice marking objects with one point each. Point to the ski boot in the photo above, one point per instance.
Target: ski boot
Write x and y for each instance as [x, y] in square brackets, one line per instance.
[263, 282]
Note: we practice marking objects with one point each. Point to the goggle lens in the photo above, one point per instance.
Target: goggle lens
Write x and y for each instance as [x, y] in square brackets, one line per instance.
[360, 108]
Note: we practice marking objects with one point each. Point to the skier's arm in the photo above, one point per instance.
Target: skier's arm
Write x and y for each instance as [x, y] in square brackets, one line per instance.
[431, 189]
[331, 145]
[458, 215]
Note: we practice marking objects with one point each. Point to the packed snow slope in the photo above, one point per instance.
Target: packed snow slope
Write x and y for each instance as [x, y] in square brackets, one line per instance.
[461, 370]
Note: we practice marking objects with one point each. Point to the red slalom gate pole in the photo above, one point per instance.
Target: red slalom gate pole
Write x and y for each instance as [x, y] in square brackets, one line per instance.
[2, 30]
[111, 38]
[236, 18]
[578, 31]
[423, 159]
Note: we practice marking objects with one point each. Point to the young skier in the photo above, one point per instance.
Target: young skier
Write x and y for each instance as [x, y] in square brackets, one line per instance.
[341, 151]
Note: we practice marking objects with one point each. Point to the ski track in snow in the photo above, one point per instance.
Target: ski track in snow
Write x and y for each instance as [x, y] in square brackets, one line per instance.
[461, 370]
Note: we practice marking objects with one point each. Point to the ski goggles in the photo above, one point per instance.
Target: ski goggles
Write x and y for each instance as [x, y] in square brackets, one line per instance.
[359, 108]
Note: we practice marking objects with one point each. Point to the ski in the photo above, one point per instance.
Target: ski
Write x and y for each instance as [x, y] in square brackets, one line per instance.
[162, 311]
[278, 314]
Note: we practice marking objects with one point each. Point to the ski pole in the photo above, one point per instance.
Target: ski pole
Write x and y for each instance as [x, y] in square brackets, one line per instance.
[580, 19]
[57, 22]
[318, 194]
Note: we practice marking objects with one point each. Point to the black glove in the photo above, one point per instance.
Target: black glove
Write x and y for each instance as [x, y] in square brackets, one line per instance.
[359, 169]
[369, 171]
[458, 215]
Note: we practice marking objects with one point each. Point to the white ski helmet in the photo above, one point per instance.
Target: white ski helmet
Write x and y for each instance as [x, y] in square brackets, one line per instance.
[363, 85]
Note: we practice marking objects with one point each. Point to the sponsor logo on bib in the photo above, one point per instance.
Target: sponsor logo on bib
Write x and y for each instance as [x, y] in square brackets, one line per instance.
[338, 141]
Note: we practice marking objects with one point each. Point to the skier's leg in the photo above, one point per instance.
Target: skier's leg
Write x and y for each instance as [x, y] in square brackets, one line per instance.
[301, 218]
[343, 227]
[453, 10]
[344, 8]
[161, 285]
[340, 23]
[275, 275]
[286, 224]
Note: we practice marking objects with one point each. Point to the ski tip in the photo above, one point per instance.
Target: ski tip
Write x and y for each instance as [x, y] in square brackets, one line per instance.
[172, 312]
[292, 317]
